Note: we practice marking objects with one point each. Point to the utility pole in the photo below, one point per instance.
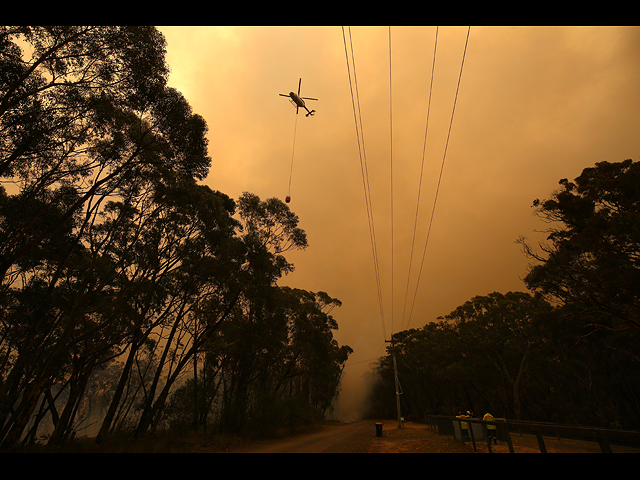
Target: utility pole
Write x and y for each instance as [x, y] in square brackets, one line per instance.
[395, 375]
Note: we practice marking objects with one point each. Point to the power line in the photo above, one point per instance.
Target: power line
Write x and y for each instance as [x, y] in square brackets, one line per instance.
[424, 147]
[393, 349]
[440, 176]
[391, 170]
[367, 192]
[355, 100]
[364, 170]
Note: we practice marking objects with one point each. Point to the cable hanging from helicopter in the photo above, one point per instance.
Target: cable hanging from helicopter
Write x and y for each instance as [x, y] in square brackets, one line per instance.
[298, 102]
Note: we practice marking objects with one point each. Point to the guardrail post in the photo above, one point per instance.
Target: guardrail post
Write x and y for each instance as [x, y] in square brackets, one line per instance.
[604, 444]
[473, 438]
[504, 430]
[543, 448]
[461, 431]
[485, 430]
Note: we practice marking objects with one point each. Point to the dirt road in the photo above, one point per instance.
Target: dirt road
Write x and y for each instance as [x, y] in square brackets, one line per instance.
[360, 437]
[344, 438]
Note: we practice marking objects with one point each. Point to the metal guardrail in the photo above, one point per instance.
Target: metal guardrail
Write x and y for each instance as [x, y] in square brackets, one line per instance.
[446, 425]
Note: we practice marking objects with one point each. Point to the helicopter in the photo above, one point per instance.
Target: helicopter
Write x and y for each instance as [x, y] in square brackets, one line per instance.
[298, 101]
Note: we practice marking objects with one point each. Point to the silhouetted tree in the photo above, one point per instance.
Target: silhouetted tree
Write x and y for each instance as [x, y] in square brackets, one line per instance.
[87, 109]
[592, 259]
[501, 332]
[84, 113]
[112, 256]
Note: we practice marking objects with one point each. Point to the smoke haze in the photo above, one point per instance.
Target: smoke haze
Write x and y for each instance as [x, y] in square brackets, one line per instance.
[534, 105]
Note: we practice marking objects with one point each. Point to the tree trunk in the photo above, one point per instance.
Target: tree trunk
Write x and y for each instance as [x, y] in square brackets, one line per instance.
[117, 395]
[77, 388]
[148, 411]
[23, 413]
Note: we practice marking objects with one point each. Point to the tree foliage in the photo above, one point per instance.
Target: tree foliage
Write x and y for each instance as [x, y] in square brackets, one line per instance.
[566, 352]
[124, 282]
[593, 255]
[516, 356]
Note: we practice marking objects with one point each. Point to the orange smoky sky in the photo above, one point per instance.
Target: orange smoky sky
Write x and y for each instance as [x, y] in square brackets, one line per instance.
[534, 105]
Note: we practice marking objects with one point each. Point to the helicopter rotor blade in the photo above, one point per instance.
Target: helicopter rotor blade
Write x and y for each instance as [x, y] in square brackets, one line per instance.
[307, 98]
[299, 83]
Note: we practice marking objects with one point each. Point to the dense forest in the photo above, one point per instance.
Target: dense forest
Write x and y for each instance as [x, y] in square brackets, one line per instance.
[565, 351]
[134, 298]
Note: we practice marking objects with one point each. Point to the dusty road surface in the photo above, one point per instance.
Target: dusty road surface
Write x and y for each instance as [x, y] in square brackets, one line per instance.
[360, 437]
[353, 437]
